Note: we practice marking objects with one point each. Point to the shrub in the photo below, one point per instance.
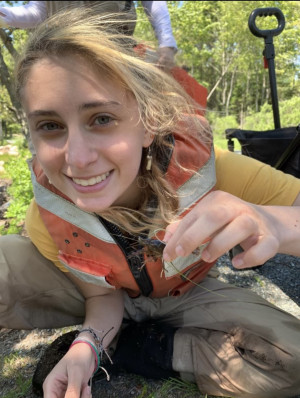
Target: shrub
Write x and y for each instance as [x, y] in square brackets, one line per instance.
[219, 125]
[20, 191]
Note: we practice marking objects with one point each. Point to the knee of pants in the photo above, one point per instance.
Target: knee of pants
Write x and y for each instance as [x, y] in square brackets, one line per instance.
[33, 292]
[238, 364]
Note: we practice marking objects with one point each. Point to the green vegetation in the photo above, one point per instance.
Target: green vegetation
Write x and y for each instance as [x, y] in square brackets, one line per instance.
[259, 121]
[10, 364]
[21, 389]
[187, 389]
[20, 190]
[217, 47]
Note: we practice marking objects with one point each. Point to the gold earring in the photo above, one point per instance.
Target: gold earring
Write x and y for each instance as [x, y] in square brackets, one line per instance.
[149, 159]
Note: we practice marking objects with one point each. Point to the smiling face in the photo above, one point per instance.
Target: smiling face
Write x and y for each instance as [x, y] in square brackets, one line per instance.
[86, 132]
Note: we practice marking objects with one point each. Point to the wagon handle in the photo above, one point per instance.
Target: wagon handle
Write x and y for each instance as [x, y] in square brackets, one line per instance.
[266, 12]
[269, 51]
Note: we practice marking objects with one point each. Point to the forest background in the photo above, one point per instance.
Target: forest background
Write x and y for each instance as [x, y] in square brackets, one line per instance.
[217, 48]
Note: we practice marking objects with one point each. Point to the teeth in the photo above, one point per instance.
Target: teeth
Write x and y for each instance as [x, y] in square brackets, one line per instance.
[91, 181]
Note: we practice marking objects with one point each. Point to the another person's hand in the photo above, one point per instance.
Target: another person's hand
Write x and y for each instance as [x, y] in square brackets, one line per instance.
[70, 377]
[166, 56]
[227, 221]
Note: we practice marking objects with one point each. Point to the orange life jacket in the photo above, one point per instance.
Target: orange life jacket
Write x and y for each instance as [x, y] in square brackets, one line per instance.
[194, 89]
[88, 248]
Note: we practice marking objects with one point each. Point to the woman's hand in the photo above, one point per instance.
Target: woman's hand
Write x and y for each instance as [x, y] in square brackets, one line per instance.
[70, 377]
[228, 221]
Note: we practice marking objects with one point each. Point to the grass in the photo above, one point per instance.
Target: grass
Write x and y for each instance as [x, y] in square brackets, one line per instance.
[186, 389]
[21, 389]
[12, 370]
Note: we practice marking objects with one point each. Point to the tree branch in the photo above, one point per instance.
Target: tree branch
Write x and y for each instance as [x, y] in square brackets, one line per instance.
[7, 41]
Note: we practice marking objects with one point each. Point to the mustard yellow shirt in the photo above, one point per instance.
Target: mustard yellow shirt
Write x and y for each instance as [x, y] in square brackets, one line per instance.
[239, 175]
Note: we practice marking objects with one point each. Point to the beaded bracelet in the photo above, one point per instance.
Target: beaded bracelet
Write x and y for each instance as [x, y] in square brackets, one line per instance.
[94, 349]
[93, 333]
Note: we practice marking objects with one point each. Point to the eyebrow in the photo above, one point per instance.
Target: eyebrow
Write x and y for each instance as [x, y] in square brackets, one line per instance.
[96, 104]
[89, 105]
[41, 112]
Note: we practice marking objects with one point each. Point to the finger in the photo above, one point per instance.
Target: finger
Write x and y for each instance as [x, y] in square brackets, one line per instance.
[195, 228]
[74, 385]
[86, 392]
[54, 387]
[171, 228]
[243, 229]
[257, 254]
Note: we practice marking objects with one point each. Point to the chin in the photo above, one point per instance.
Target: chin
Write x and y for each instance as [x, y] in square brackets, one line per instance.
[91, 208]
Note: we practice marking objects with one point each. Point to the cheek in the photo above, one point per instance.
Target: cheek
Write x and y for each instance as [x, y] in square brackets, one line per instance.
[127, 153]
[39, 145]
[49, 158]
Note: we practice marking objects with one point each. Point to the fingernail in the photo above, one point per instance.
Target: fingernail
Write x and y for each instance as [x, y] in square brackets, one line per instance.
[167, 236]
[180, 251]
[237, 263]
[166, 257]
[205, 256]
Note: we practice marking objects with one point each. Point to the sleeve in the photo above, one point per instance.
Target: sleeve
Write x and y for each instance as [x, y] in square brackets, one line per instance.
[26, 16]
[40, 237]
[254, 181]
[159, 17]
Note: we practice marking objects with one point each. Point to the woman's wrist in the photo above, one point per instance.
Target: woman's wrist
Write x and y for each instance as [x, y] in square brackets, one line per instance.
[93, 348]
[93, 334]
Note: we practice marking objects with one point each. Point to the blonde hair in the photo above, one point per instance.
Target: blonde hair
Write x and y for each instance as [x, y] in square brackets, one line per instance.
[162, 103]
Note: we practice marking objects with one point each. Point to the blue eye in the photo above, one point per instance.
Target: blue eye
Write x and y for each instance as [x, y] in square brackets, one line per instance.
[103, 120]
[50, 126]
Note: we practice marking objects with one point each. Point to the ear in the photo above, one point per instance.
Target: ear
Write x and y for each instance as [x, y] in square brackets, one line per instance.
[148, 139]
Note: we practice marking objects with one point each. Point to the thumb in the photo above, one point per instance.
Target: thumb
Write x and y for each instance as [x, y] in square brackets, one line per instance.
[86, 392]
[74, 388]
[171, 228]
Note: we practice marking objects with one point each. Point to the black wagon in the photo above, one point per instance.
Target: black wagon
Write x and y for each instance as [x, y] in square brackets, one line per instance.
[280, 147]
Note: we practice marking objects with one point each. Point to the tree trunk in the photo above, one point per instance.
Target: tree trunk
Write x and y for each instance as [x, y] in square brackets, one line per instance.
[230, 91]
[256, 93]
[16, 107]
[7, 41]
[263, 90]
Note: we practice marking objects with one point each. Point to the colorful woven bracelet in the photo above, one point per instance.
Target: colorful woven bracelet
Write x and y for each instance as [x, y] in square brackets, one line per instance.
[93, 333]
[94, 349]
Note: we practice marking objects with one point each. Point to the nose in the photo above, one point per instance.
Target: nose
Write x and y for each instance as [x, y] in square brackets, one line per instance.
[80, 150]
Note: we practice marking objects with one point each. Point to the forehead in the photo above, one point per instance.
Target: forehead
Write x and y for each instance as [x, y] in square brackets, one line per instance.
[52, 77]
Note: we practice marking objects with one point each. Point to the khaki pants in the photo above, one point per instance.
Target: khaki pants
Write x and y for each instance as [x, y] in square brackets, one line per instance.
[230, 341]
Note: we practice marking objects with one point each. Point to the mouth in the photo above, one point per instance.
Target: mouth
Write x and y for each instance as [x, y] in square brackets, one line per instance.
[91, 181]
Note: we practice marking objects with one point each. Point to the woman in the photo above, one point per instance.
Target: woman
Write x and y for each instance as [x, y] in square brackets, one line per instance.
[122, 157]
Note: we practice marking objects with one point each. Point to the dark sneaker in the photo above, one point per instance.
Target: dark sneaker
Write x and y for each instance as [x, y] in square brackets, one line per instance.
[145, 349]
